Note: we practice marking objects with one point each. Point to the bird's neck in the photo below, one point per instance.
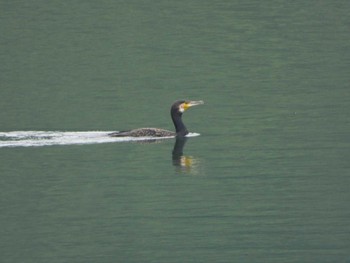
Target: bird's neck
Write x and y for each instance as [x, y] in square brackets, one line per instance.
[180, 127]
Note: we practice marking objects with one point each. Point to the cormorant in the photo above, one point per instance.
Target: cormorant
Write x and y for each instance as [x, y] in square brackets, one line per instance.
[176, 111]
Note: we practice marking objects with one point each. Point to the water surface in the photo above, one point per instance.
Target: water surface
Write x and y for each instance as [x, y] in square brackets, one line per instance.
[266, 180]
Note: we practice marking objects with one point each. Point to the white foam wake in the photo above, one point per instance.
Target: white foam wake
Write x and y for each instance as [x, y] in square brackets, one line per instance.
[47, 138]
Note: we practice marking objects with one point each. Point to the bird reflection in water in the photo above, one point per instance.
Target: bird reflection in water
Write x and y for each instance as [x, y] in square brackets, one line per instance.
[183, 163]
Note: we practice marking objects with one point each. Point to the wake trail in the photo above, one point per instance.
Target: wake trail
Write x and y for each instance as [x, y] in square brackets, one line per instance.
[48, 138]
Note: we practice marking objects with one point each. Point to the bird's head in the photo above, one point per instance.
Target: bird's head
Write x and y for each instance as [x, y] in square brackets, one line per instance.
[181, 106]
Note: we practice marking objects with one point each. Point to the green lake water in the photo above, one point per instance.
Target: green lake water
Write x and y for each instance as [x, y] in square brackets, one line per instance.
[268, 178]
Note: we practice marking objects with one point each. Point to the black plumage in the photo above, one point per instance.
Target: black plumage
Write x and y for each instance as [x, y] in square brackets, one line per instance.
[176, 111]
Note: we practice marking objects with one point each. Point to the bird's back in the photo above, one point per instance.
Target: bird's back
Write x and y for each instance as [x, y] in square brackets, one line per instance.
[144, 132]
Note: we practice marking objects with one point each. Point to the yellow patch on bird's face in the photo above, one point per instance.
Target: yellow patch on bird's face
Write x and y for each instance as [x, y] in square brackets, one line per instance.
[184, 106]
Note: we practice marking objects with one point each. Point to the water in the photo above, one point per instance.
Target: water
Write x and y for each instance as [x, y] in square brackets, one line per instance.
[267, 179]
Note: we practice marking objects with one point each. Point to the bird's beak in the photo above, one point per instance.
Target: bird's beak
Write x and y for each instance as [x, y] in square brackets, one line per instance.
[192, 103]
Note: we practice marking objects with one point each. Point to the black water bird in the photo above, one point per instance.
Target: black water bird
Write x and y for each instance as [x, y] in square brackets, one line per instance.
[176, 111]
